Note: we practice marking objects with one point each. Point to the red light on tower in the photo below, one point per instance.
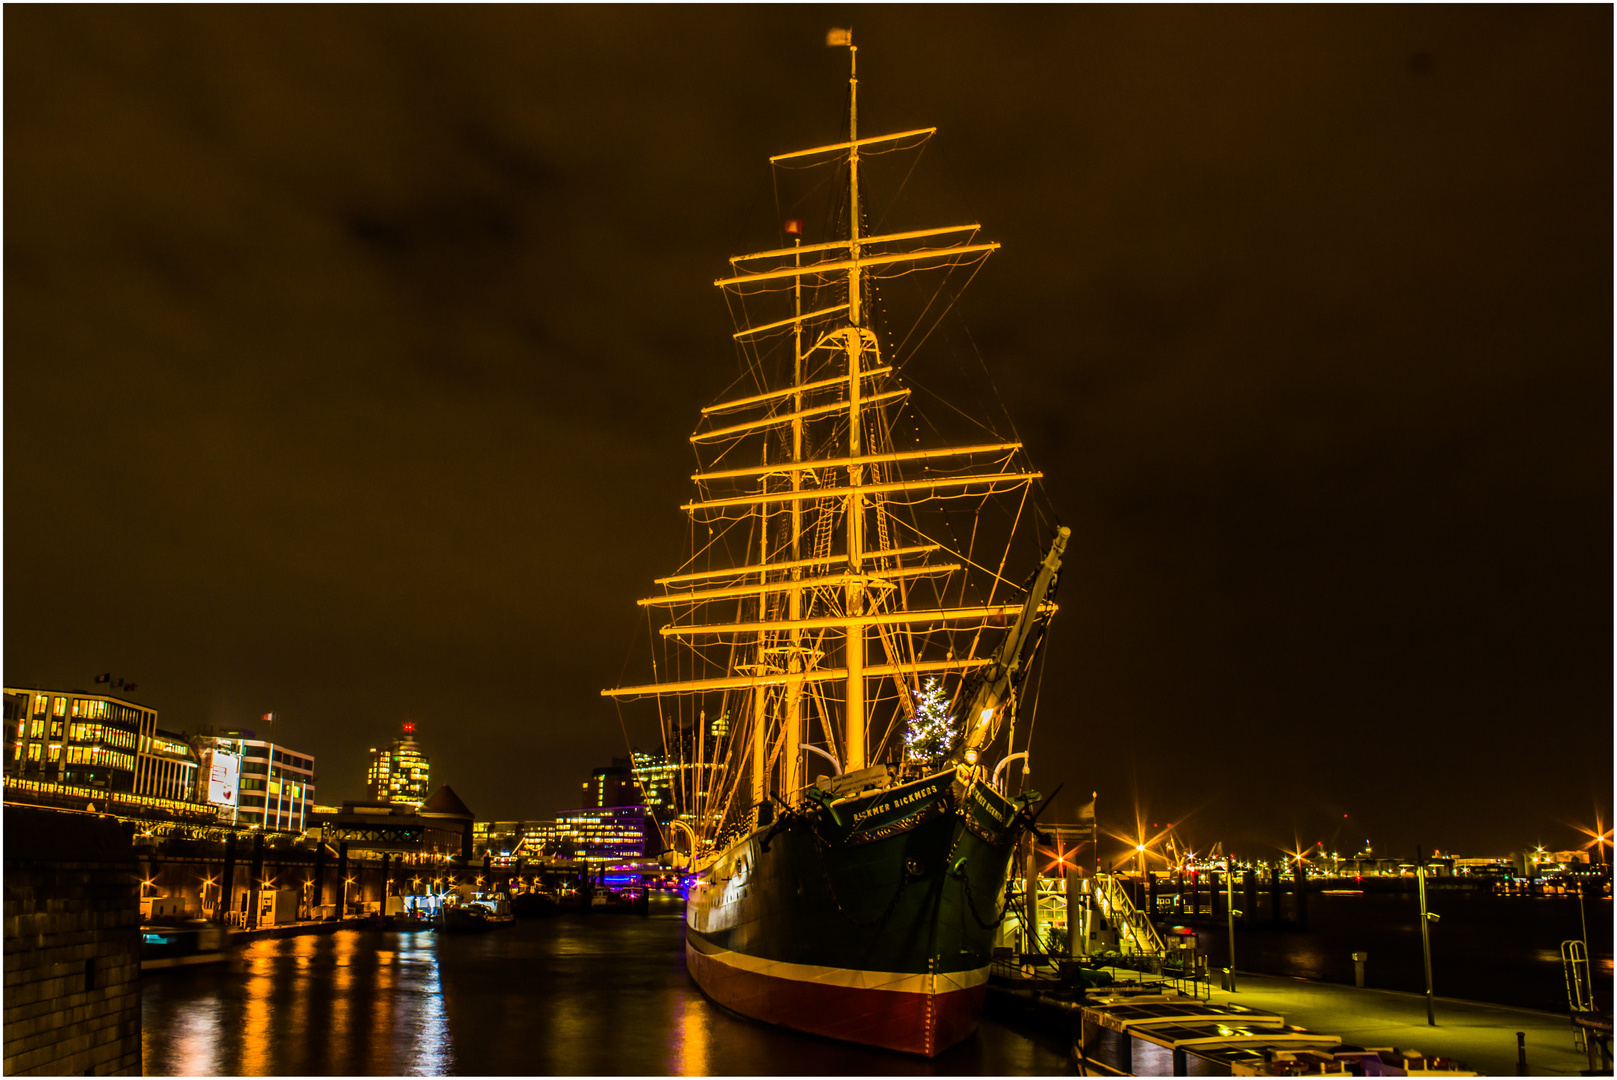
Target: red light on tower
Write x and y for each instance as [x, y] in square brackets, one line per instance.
[409, 727]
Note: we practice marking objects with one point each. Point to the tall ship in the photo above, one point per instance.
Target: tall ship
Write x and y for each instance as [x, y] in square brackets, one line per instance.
[840, 665]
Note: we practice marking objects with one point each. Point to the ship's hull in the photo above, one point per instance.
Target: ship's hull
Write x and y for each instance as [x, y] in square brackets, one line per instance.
[870, 920]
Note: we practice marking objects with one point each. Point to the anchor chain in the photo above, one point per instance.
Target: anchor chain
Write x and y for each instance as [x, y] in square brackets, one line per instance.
[819, 849]
[971, 904]
[912, 870]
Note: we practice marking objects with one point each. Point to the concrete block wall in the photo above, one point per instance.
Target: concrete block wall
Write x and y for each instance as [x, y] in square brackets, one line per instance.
[72, 946]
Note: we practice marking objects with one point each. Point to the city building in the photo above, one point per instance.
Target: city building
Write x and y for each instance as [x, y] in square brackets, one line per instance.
[605, 835]
[504, 842]
[664, 784]
[1539, 863]
[174, 766]
[613, 785]
[255, 781]
[614, 824]
[538, 840]
[92, 741]
[398, 771]
[655, 775]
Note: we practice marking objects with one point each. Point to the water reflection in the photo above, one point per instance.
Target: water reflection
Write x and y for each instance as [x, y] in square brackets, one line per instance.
[688, 1035]
[198, 1044]
[571, 995]
[427, 1030]
[256, 1021]
[342, 983]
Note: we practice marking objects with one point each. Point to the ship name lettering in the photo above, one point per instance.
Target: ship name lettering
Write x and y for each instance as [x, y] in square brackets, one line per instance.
[977, 797]
[914, 796]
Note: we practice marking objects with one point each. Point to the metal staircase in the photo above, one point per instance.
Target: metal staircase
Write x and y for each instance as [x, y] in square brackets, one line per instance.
[1135, 934]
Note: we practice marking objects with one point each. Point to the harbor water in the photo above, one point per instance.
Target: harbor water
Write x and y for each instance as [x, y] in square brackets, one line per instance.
[608, 995]
[574, 994]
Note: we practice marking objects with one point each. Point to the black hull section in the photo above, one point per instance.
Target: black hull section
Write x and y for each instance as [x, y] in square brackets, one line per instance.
[880, 906]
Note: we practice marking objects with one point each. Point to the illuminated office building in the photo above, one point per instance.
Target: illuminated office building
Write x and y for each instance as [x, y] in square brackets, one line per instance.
[608, 834]
[398, 771]
[255, 781]
[504, 842]
[173, 770]
[656, 776]
[92, 741]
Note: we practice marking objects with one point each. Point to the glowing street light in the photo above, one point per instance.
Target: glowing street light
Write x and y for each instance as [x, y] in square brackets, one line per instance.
[1599, 837]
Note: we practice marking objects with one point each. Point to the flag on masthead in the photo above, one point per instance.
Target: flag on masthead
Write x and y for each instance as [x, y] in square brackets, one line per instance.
[795, 226]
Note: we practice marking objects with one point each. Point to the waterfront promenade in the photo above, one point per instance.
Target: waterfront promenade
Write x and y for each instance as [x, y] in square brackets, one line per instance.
[1482, 1036]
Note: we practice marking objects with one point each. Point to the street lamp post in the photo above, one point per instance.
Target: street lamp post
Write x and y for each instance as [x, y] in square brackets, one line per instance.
[1425, 933]
[1229, 909]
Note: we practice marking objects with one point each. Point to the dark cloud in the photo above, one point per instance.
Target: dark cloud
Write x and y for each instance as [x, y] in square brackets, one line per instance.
[351, 352]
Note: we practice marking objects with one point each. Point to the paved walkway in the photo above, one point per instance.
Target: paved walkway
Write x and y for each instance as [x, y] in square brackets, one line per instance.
[1482, 1036]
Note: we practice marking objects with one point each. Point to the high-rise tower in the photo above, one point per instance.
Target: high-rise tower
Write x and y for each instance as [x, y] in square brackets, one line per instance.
[398, 771]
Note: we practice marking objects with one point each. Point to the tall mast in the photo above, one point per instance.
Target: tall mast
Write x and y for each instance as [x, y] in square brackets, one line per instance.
[760, 695]
[792, 720]
[853, 340]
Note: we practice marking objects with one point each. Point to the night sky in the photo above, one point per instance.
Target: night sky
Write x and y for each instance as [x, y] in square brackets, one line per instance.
[350, 356]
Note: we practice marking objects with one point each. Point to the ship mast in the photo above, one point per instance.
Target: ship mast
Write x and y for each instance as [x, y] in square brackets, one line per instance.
[792, 719]
[777, 655]
[853, 339]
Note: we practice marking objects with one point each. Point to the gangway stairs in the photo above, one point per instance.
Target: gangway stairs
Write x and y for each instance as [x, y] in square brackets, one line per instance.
[1135, 934]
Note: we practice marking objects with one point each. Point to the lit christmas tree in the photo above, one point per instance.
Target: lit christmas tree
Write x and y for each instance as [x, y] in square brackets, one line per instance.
[927, 736]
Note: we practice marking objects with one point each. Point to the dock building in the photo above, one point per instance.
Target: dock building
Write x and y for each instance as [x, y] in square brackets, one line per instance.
[439, 829]
[399, 771]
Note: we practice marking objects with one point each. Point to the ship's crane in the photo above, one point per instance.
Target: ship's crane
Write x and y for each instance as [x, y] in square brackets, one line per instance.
[979, 711]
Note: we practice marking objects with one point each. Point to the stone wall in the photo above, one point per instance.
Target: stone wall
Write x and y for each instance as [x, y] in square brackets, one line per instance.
[72, 946]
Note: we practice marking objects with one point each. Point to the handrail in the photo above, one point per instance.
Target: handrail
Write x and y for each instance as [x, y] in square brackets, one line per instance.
[1121, 912]
[835, 764]
[994, 782]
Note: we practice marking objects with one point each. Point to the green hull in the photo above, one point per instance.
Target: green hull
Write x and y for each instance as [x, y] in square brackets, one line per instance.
[871, 918]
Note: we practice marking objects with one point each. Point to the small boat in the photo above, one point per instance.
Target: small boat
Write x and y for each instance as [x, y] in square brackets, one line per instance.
[413, 920]
[496, 907]
[467, 919]
[182, 945]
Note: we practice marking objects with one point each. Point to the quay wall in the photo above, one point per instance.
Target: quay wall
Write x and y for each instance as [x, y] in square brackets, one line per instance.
[72, 946]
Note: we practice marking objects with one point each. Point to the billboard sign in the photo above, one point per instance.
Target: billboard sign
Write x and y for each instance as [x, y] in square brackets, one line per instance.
[224, 770]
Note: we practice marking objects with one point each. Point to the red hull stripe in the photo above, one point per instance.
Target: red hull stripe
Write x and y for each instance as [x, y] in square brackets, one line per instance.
[916, 1022]
[902, 982]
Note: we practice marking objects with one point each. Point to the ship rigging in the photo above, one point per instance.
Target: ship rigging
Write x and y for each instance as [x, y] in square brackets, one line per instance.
[843, 653]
